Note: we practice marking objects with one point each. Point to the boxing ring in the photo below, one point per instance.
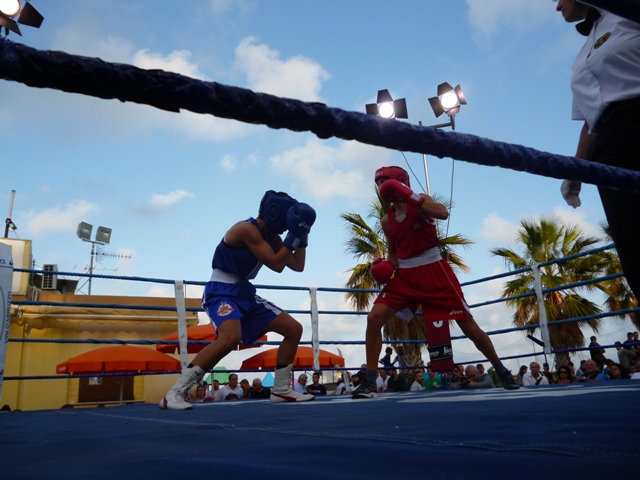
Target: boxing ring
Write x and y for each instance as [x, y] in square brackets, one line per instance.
[577, 429]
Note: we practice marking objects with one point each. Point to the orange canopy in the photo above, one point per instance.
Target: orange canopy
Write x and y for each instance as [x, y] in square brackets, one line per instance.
[120, 358]
[303, 359]
[200, 332]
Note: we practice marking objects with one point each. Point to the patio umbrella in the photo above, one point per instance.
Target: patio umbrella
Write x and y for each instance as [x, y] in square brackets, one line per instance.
[119, 359]
[199, 332]
[303, 359]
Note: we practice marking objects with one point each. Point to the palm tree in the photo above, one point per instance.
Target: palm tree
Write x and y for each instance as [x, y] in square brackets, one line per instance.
[617, 291]
[366, 243]
[544, 240]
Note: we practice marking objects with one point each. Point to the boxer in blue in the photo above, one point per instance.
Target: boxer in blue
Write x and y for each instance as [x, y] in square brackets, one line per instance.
[230, 300]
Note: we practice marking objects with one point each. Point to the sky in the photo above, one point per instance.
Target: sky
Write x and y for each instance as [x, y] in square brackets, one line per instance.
[170, 185]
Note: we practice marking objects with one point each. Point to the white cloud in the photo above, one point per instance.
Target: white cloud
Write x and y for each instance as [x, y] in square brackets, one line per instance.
[222, 6]
[488, 18]
[328, 172]
[177, 61]
[496, 229]
[58, 219]
[228, 163]
[160, 204]
[578, 217]
[297, 77]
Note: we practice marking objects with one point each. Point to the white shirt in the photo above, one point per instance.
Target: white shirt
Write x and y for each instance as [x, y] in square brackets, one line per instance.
[226, 390]
[635, 376]
[528, 380]
[606, 69]
[415, 386]
[382, 383]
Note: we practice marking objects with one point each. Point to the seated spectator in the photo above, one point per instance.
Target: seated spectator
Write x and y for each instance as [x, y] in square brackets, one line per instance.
[580, 371]
[534, 377]
[521, 373]
[456, 377]
[382, 381]
[418, 380]
[301, 386]
[565, 375]
[386, 360]
[480, 368]
[625, 356]
[473, 379]
[549, 374]
[618, 372]
[201, 395]
[246, 388]
[258, 391]
[356, 379]
[432, 381]
[636, 375]
[232, 391]
[572, 368]
[316, 388]
[341, 388]
[591, 373]
[397, 382]
[634, 367]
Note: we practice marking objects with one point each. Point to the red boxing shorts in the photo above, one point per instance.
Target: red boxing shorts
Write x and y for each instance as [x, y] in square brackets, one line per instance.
[434, 286]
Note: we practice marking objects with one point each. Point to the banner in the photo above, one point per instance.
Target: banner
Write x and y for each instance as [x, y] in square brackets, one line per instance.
[6, 279]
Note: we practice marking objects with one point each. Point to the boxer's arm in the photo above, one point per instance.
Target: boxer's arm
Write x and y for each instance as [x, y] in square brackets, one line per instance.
[433, 209]
[296, 260]
[275, 258]
[391, 248]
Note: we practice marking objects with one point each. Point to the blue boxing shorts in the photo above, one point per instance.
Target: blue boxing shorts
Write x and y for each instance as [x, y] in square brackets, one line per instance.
[238, 301]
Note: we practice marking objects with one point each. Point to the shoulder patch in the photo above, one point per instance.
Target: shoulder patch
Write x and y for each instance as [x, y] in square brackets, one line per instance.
[601, 40]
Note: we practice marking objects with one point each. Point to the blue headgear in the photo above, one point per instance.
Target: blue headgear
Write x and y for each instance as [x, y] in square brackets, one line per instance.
[273, 210]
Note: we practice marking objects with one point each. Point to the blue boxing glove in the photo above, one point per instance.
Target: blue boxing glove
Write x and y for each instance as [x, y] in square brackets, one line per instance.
[300, 218]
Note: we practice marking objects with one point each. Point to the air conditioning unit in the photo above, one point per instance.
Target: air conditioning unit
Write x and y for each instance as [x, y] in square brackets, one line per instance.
[49, 281]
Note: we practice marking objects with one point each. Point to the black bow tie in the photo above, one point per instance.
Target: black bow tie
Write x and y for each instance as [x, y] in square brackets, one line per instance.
[585, 26]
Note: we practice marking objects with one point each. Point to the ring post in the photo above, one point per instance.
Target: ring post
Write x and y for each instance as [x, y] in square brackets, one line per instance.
[182, 323]
[315, 337]
[542, 311]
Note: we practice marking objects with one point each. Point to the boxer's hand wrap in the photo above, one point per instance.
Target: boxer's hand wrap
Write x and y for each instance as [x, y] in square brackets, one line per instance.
[300, 218]
[391, 190]
[382, 270]
[570, 190]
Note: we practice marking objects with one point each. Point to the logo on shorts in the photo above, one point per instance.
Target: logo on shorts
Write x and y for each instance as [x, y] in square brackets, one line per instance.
[455, 312]
[224, 309]
[438, 324]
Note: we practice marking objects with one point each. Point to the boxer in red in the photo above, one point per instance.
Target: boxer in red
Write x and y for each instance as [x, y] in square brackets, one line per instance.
[421, 276]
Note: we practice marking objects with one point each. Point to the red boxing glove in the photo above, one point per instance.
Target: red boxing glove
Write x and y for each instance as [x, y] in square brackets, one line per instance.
[382, 270]
[391, 190]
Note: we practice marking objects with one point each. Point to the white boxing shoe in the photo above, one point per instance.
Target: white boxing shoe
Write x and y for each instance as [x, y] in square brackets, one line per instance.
[282, 391]
[175, 398]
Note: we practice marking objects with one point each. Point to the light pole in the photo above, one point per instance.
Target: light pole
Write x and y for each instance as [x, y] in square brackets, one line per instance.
[103, 237]
[448, 100]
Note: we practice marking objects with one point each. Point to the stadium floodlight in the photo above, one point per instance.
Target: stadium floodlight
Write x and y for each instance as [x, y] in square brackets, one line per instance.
[448, 100]
[13, 12]
[387, 107]
[103, 237]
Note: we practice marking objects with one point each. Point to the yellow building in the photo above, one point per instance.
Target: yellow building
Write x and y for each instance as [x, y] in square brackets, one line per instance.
[79, 322]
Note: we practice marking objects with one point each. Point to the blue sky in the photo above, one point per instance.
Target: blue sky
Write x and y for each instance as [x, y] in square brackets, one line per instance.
[170, 185]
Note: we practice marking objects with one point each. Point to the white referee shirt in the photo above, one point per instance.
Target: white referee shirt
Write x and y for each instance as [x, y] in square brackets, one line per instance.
[607, 68]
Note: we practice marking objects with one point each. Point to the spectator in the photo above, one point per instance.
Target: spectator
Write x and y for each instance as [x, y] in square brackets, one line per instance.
[386, 360]
[565, 375]
[580, 371]
[636, 348]
[382, 381]
[597, 353]
[301, 386]
[573, 369]
[618, 372]
[396, 383]
[432, 381]
[232, 391]
[456, 377]
[258, 391]
[476, 380]
[534, 377]
[316, 388]
[201, 395]
[341, 388]
[217, 394]
[591, 373]
[356, 379]
[636, 374]
[418, 380]
[244, 383]
[549, 374]
[521, 373]
[399, 359]
[628, 343]
[480, 368]
[625, 356]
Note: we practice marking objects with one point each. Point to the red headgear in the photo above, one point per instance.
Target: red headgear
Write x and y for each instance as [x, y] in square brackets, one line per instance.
[394, 173]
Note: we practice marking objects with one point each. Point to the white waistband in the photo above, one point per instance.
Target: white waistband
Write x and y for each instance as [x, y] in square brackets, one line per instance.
[218, 275]
[431, 255]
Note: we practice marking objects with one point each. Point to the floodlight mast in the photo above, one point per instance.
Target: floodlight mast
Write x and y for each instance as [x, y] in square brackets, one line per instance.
[103, 237]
